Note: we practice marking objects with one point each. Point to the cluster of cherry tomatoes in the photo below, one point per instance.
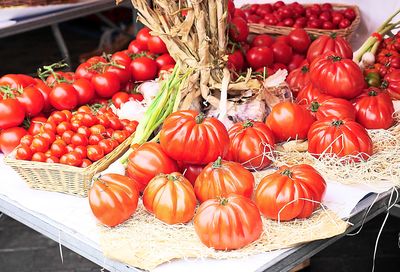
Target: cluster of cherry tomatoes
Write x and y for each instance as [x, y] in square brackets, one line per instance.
[74, 138]
[298, 16]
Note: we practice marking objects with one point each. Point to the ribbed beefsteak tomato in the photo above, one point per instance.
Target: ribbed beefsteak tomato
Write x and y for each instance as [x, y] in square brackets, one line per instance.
[285, 194]
[288, 120]
[221, 178]
[190, 137]
[337, 76]
[298, 79]
[337, 107]
[391, 84]
[250, 140]
[113, 198]
[374, 109]
[341, 137]
[147, 161]
[332, 43]
[310, 93]
[227, 223]
[170, 198]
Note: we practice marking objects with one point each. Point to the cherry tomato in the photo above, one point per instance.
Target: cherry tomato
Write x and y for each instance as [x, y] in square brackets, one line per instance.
[23, 153]
[45, 91]
[36, 124]
[39, 144]
[85, 163]
[107, 145]
[282, 53]
[67, 136]
[52, 159]
[39, 157]
[136, 47]
[84, 130]
[81, 150]
[120, 98]
[94, 139]
[299, 40]
[79, 139]
[121, 58]
[345, 23]
[26, 140]
[120, 135]
[72, 158]
[156, 45]
[94, 152]
[58, 148]
[50, 136]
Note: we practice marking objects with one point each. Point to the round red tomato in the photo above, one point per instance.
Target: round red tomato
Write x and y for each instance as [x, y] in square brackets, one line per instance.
[190, 171]
[164, 59]
[299, 40]
[391, 84]
[282, 52]
[220, 178]
[94, 152]
[283, 194]
[12, 113]
[85, 90]
[143, 68]
[170, 197]
[84, 70]
[10, 139]
[227, 223]
[23, 153]
[16, 81]
[32, 100]
[238, 30]
[249, 143]
[35, 125]
[142, 38]
[262, 40]
[333, 43]
[289, 121]
[340, 137]
[136, 47]
[120, 98]
[156, 45]
[258, 57]
[336, 76]
[148, 160]
[63, 96]
[236, 61]
[298, 79]
[113, 198]
[374, 109]
[310, 93]
[45, 91]
[337, 107]
[106, 84]
[190, 137]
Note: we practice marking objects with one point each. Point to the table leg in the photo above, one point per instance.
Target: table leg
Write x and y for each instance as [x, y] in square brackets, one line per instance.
[61, 43]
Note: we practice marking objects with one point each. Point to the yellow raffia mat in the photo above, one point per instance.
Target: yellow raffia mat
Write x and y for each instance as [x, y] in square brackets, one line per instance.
[384, 164]
[145, 242]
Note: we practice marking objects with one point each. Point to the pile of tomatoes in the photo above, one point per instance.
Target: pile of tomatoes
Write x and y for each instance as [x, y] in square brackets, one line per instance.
[74, 138]
[216, 164]
[298, 16]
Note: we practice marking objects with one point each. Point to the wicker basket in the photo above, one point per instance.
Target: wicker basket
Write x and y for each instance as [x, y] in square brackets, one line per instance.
[62, 178]
[284, 30]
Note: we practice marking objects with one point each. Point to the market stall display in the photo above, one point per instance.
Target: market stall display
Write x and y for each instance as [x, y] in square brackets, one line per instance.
[195, 115]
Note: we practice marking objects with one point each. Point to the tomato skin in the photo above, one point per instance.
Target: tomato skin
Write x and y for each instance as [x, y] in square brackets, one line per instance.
[341, 137]
[143, 68]
[136, 47]
[299, 40]
[38, 157]
[258, 57]
[16, 81]
[147, 161]
[249, 140]
[336, 76]
[113, 198]
[282, 53]
[143, 37]
[120, 98]
[263, 40]
[310, 93]
[71, 158]
[190, 171]
[106, 145]
[123, 74]
[121, 58]
[85, 90]
[221, 178]
[374, 109]
[337, 107]
[85, 163]
[26, 140]
[63, 96]
[298, 79]
[58, 148]
[280, 195]
[106, 84]
[12, 113]
[228, 223]
[164, 59]
[45, 91]
[289, 121]
[391, 84]
[23, 153]
[35, 125]
[39, 144]
[238, 30]
[181, 133]
[156, 45]
[79, 139]
[325, 43]
[84, 71]
[170, 197]
[10, 139]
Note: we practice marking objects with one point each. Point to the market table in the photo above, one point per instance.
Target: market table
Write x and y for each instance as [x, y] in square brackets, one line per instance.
[68, 220]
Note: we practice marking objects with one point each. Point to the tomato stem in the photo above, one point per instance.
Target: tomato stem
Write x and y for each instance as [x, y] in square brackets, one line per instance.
[287, 172]
[223, 201]
[172, 177]
[217, 163]
[372, 93]
[305, 69]
[314, 106]
[247, 124]
[337, 123]
[384, 84]
[200, 118]
[333, 35]
[335, 58]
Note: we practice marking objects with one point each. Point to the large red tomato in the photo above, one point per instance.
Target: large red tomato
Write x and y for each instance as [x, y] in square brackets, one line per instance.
[391, 83]
[190, 171]
[156, 45]
[238, 30]
[45, 91]
[374, 109]
[341, 137]
[10, 138]
[336, 76]
[250, 141]
[228, 222]
[63, 96]
[32, 100]
[170, 198]
[147, 161]
[259, 57]
[299, 40]
[310, 93]
[113, 198]
[221, 178]
[289, 121]
[106, 84]
[298, 79]
[190, 137]
[12, 113]
[142, 37]
[85, 90]
[332, 43]
[337, 107]
[143, 68]
[284, 194]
